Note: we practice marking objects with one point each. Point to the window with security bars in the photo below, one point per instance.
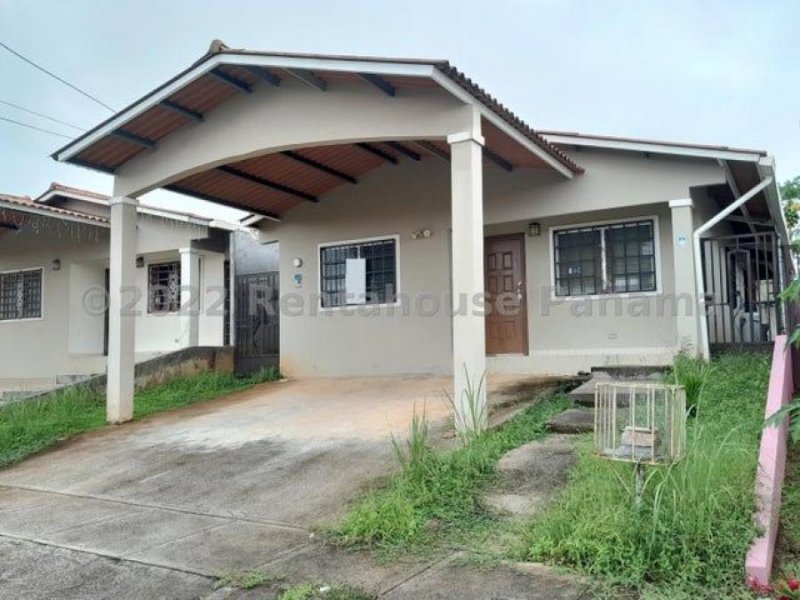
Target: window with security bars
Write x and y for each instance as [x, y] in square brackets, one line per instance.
[614, 258]
[164, 288]
[379, 272]
[21, 295]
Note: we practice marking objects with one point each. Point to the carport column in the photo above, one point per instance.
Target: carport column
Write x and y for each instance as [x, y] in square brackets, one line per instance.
[685, 302]
[190, 297]
[469, 335]
[121, 311]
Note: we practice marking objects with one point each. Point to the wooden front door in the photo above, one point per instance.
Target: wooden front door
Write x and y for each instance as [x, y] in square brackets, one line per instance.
[506, 294]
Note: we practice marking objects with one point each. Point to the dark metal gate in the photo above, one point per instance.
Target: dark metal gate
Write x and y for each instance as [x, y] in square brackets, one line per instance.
[256, 313]
[743, 276]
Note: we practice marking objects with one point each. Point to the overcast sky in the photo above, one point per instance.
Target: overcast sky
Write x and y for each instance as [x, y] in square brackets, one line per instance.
[719, 72]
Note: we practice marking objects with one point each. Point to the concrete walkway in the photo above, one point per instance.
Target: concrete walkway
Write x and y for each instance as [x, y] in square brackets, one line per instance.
[236, 483]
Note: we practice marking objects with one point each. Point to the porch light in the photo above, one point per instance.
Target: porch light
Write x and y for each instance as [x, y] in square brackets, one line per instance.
[56, 264]
[139, 262]
[534, 229]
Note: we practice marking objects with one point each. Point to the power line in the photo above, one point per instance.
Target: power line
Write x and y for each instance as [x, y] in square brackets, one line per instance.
[54, 76]
[38, 114]
[21, 124]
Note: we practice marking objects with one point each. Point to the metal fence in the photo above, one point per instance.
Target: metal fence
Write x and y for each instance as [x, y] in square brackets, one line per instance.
[744, 274]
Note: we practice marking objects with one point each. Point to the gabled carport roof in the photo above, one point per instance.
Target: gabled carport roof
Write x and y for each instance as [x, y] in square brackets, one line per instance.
[224, 72]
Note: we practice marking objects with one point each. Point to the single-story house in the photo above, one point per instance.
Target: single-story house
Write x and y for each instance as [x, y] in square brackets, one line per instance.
[419, 226]
[54, 277]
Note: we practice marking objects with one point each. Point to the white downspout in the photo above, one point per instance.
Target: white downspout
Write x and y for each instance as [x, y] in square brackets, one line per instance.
[698, 258]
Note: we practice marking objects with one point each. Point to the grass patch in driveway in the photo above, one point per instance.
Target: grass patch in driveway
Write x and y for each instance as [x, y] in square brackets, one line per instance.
[313, 591]
[691, 534]
[30, 426]
[435, 497]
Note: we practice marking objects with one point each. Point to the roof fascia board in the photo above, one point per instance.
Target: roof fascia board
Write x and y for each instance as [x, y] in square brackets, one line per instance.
[655, 148]
[50, 194]
[496, 120]
[42, 212]
[216, 60]
[170, 216]
[766, 168]
[142, 208]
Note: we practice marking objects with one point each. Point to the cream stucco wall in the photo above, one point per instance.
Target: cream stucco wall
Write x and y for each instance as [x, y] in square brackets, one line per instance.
[396, 201]
[68, 339]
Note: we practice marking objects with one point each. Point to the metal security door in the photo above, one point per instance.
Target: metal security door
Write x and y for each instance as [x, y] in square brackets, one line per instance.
[257, 339]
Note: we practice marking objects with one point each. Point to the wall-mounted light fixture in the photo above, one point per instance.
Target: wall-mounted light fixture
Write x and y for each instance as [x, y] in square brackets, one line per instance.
[534, 229]
[421, 234]
[139, 262]
[56, 264]
[297, 262]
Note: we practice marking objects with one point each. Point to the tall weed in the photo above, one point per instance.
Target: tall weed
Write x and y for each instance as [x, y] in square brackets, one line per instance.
[694, 527]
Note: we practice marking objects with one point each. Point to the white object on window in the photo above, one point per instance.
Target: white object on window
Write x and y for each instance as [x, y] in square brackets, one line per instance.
[355, 281]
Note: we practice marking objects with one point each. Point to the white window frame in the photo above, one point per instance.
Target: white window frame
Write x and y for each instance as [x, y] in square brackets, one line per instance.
[656, 253]
[377, 238]
[41, 295]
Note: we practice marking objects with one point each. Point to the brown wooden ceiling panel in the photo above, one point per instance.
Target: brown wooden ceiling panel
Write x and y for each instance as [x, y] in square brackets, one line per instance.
[239, 192]
[289, 172]
[110, 152]
[156, 123]
[203, 94]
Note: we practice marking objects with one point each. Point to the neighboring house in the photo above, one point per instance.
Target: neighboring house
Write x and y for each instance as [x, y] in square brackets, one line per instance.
[54, 260]
[389, 187]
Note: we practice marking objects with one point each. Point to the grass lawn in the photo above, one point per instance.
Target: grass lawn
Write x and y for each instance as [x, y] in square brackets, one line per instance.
[435, 498]
[28, 427]
[690, 537]
[788, 550]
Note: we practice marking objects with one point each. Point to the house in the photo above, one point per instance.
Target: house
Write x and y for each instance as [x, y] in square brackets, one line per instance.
[419, 226]
[54, 274]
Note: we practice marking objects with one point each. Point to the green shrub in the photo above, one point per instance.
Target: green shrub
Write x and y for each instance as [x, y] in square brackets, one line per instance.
[694, 527]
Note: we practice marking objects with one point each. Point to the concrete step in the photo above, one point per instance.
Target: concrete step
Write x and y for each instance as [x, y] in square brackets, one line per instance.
[583, 395]
[632, 371]
[572, 420]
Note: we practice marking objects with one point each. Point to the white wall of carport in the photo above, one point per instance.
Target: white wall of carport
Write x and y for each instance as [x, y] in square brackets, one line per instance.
[395, 200]
[399, 200]
[69, 341]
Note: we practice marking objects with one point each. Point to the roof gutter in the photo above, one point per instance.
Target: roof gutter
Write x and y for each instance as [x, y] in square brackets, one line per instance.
[698, 258]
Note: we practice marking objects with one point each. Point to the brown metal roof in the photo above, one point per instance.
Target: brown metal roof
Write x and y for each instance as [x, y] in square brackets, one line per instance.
[24, 202]
[295, 180]
[62, 191]
[208, 91]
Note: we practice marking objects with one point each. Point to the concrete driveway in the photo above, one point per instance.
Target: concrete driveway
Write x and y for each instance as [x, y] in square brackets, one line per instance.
[239, 482]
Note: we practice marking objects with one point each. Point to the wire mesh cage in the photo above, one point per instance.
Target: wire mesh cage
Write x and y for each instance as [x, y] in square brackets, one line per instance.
[643, 423]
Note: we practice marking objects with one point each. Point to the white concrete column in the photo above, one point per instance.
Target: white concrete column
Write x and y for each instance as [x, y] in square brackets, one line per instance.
[190, 297]
[688, 314]
[469, 335]
[121, 312]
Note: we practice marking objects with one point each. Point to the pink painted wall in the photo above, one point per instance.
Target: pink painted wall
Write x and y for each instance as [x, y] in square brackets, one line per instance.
[771, 464]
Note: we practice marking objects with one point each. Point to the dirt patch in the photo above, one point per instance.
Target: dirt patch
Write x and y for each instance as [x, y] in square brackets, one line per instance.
[531, 476]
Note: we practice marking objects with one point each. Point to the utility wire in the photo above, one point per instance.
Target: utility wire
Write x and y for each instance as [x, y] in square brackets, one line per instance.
[21, 124]
[38, 114]
[54, 76]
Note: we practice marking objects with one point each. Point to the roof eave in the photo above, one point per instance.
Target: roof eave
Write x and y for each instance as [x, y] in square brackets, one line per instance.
[439, 71]
[45, 212]
[654, 147]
